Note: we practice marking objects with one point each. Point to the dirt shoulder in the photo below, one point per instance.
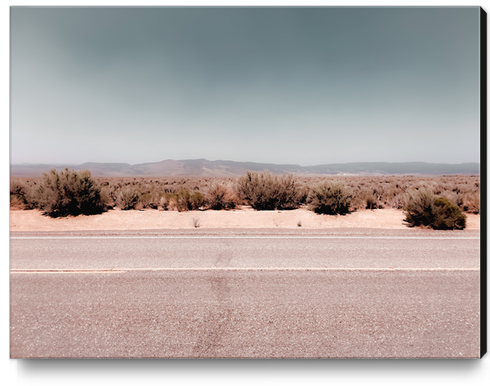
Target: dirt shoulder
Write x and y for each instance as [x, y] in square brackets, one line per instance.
[33, 220]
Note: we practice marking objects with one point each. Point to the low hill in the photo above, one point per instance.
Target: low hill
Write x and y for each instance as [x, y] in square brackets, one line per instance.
[220, 168]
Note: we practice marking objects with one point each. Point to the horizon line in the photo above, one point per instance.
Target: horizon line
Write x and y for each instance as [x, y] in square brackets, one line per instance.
[225, 160]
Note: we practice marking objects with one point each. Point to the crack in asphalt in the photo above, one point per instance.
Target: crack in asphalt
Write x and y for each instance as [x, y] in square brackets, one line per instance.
[216, 323]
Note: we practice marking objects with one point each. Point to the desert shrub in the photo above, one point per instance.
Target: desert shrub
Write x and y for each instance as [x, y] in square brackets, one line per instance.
[418, 206]
[146, 200]
[168, 201]
[302, 194]
[371, 202]
[17, 202]
[263, 191]
[163, 204]
[448, 215]
[330, 197]
[423, 208]
[127, 198]
[453, 197]
[394, 198]
[221, 196]
[258, 190]
[17, 188]
[68, 193]
[107, 196]
[185, 200]
[17, 195]
[289, 194]
[357, 203]
[472, 203]
[22, 195]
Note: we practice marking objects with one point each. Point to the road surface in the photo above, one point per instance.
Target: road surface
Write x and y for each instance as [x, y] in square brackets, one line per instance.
[246, 294]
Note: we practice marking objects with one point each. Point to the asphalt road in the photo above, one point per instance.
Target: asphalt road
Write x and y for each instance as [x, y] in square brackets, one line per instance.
[265, 294]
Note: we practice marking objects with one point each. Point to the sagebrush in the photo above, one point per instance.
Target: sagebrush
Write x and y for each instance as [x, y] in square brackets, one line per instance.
[221, 196]
[128, 198]
[330, 197]
[185, 200]
[68, 193]
[263, 191]
[424, 209]
[369, 192]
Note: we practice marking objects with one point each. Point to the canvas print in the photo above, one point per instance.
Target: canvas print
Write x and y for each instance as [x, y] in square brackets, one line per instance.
[220, 182]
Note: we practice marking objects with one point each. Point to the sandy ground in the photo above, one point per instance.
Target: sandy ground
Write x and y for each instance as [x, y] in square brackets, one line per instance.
[33, 220]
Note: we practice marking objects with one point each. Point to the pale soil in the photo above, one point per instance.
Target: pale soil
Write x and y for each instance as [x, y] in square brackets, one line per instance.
[33, 220]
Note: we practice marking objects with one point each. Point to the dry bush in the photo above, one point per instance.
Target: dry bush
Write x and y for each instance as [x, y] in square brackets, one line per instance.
[17, 187]
[186, 200]
[393, 198]
[107, 197]
[127, 198]
[372, 202]
[330, 197]
[17, 203]
[447, 215]
[163, 204]
[168, 202]
[357, 203]
[423, 208]
[221, 196]
[453, 197]
[68, 193]
[263, 191]
[18, 193]
[22, 194]
[287, 193]
[146, 200]
[418, 206]
[472, 202]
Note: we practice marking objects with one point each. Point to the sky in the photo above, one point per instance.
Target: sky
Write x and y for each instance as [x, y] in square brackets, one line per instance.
[281, 85]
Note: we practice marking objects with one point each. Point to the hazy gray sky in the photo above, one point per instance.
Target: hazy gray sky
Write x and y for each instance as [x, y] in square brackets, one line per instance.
[281, 85]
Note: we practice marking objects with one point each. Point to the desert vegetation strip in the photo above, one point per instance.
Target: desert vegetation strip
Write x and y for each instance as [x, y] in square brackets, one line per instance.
[431, 202]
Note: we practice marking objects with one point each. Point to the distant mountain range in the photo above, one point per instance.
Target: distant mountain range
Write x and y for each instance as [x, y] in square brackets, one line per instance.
[219, 168]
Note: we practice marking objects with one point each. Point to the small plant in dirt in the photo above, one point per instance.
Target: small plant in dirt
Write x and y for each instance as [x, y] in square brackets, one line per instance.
[68, 193]
[330, 197]
[127, 198]
[423, 208]
[263, 191]
[221, 196]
